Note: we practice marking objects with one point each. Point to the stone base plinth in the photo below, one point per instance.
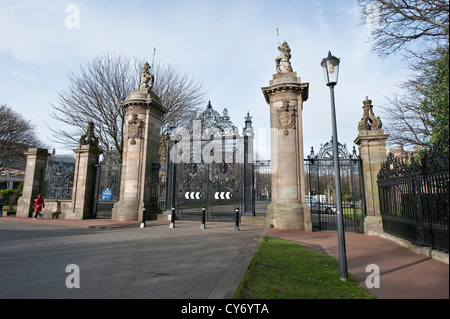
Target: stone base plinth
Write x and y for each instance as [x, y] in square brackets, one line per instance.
[373, 225]
[258, 221]
[126, 210]
[289, 215]
[24, 207]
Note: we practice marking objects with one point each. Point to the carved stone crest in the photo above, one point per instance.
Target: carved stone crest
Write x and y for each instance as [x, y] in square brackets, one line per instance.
[135, 129]
[286, 117]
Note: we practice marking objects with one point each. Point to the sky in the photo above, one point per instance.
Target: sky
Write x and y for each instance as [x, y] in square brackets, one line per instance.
[230, 46]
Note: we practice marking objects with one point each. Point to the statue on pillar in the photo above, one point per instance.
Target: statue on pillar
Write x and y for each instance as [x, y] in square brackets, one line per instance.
[143, 117]
[147, 79]
[283, 65]
[285, 96]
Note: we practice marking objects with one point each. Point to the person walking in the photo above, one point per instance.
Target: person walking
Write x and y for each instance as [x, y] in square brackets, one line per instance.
[38, 206]
[2, 200]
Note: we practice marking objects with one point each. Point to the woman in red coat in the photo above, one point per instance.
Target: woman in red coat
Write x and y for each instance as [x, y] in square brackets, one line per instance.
[38, 206]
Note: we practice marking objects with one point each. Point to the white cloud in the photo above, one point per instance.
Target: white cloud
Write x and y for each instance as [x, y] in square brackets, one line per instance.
[24, 76]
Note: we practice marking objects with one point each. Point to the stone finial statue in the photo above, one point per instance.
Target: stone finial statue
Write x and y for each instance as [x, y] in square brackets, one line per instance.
[283, 65]
[369, 122]
[89, 138]
[147, 78]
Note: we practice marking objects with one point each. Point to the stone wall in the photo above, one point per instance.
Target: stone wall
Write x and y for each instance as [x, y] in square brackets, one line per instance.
[57, 208]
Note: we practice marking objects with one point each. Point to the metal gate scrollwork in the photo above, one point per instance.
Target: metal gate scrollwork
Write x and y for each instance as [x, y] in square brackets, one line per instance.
[209, 166]
[107, 185]
[320, 188]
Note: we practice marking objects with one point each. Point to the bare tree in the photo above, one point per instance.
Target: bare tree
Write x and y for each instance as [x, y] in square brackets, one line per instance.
[181, 94]
[94, 95]
[16, 136]
[405, 121]
[398, 23]
[417, 29]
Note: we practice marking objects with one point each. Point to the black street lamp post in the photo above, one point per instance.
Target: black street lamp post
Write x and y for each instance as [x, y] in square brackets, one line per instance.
[330, 66]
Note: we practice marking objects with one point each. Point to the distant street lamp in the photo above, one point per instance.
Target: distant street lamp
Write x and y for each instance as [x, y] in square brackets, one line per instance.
[330, 66]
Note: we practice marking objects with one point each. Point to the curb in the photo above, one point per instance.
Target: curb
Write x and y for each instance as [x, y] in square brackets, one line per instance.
[425, 251]
[85, 223]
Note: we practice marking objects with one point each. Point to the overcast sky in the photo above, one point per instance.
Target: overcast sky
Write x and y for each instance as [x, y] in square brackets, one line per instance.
[230, 46]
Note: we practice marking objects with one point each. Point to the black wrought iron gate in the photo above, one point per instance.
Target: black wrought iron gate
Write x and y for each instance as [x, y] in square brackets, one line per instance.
[217, 187]
[107, 189]
[209, 165]
[320, 188]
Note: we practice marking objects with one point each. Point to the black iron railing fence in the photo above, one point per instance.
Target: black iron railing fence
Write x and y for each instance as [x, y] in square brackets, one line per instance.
[414, 199]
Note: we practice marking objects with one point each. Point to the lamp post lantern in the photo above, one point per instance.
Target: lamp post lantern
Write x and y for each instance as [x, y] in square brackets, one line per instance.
[330, 67]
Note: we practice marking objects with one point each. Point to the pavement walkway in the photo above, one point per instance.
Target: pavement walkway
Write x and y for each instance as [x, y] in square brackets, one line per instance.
[403, 274]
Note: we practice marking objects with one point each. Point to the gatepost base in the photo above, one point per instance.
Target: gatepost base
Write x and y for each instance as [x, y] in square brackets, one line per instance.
[289, 215]
[373, 225]
[126, 210]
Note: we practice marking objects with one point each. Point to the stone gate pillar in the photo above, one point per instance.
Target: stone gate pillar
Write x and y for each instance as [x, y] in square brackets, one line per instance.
[144, 112]
[32, 184]
[286, 95]
[372, 150]
[87, 154]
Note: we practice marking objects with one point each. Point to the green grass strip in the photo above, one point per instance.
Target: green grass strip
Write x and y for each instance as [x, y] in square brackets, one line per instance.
[284, 270]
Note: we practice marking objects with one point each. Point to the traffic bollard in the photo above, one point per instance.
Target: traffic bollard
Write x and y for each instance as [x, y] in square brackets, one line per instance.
[172, 218]
[236, 226]
[203, 225]
[143, 218]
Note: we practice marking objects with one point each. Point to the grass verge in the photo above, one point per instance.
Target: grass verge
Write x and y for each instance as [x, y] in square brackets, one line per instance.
[284, 270]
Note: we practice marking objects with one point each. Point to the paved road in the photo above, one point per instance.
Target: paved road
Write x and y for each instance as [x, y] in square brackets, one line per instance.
[120, 260]
[185, 262]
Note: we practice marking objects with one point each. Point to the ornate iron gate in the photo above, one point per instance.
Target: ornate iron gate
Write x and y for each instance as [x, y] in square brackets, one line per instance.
[209, 165]
[107, 189]
[320, 188]
[217, 187]
[58, 177]
[263, 186]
